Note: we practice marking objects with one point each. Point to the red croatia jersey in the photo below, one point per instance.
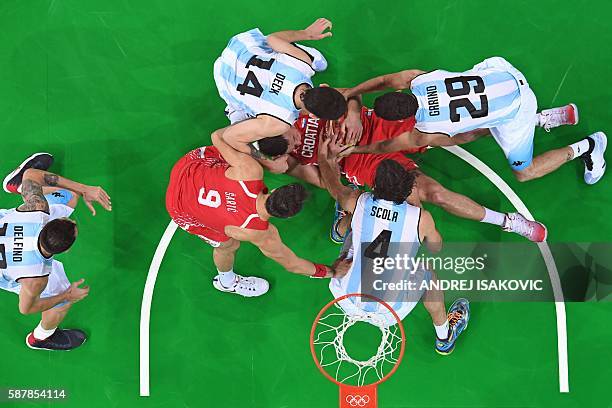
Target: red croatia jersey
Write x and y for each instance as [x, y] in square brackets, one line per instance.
[359, 168]
[202, 200]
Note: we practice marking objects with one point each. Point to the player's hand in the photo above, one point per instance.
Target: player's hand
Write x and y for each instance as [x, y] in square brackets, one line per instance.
[341, 267]
[346, 92]
[315, 31]
[75, 293]
[98, 195]
[352, 129]
[346, 151]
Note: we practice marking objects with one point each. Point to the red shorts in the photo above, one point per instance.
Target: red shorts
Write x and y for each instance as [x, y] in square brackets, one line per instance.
[360, 169]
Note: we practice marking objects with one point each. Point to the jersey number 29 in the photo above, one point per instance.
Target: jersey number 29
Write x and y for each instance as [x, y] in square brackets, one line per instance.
[465, 89]
[255, 89]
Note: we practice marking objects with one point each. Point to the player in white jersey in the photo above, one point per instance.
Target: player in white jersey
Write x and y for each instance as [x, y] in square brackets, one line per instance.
[266, 81]
[492, 95]
[30, 236]
[380, 219]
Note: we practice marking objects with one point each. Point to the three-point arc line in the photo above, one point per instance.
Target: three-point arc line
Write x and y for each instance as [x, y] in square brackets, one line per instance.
[147, 298]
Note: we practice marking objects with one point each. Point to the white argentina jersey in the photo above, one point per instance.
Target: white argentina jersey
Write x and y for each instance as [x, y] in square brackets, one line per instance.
[19, 254]
[453, 102]
[254, 79]
[376, 221]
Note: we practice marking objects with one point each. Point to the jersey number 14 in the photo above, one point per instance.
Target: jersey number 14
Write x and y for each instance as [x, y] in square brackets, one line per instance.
[251, 84]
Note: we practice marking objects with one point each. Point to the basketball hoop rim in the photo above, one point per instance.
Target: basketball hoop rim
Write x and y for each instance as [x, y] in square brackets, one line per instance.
[330, 304]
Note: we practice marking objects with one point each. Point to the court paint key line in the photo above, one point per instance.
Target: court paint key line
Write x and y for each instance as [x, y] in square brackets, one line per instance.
[147, 298]
[145, 308]
[544, 250]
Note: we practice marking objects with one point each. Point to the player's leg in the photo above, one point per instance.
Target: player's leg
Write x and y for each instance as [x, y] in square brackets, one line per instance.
[462, 206]
[47, 335]
[223, 258]
[226, 279]
[449, 326]
[12, 182]
[590, 149]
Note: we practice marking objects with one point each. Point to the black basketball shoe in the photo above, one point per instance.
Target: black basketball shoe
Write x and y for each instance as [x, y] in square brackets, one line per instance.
[61, 340]
[40, 161]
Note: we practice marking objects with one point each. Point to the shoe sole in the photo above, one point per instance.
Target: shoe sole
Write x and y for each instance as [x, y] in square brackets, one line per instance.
[46, 349]
[19, 168]
[221, 288]
[573, 105]
[605, 146]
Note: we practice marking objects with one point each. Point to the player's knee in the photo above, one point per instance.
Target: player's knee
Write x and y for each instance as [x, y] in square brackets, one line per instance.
[524, 175]
[437, 195]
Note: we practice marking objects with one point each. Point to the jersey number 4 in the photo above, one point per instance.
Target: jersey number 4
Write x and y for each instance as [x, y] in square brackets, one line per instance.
[251, 84]
[379, 248]
[465, 89]
[3, 264]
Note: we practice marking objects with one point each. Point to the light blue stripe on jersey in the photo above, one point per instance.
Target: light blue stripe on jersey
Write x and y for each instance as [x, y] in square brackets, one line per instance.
[29, 229]
[244, 55]
[491, 79]
[28, 258]
[230, 76]
[496, 104]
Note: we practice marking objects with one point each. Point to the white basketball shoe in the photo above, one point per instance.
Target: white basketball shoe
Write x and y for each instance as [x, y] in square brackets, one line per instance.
[555, 117]
[594, 162]
[249, 286]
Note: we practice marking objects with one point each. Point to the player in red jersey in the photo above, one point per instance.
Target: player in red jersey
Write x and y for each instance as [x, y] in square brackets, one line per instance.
[361, 168]
[218, 194]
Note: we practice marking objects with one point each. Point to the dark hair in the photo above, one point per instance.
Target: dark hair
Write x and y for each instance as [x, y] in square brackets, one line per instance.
[395, 106]
[273, 146]
[393, 182]
[58, 235]
[325, 102]
[286, 201]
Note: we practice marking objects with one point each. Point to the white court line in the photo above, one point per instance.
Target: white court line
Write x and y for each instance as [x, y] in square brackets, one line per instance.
[145, 308]
[145, 311]
[544, 250]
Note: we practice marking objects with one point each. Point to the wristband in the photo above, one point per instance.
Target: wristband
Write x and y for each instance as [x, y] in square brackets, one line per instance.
[320, 271]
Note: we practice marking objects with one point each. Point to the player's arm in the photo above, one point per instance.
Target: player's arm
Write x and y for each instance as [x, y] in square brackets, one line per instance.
[239, 135]
[330, 172]
[399, 80]
[31, 288]
[34, 200]
[271, 245]
[282, 41]
[309, 173]
[246, 165]
[351, 127]
[428, 232]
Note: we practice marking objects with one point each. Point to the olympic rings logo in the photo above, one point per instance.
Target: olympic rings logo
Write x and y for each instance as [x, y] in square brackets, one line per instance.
[358, 400]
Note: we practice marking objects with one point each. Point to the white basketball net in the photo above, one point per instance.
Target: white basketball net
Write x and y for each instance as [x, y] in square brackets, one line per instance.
[332, 353]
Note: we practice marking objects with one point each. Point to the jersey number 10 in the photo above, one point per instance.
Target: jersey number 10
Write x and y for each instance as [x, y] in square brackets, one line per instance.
[465, 89]
[255, 89]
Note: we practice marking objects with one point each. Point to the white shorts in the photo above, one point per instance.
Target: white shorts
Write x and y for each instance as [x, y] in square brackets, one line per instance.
[516, 137]
[57, 282]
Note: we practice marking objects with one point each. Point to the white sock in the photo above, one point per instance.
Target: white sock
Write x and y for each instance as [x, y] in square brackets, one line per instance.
[580, 147]
[538, 119]
[42, 334]
[442, 330]
[228, 278]
[493, 217]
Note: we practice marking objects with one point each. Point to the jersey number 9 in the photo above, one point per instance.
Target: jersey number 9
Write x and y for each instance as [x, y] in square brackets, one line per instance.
[212, 199]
